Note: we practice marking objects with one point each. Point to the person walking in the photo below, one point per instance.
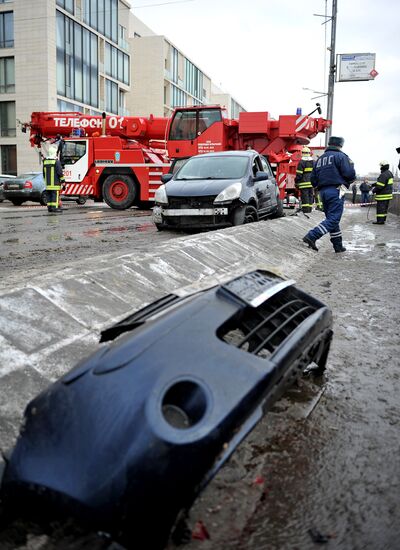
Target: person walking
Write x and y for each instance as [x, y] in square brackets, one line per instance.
[364, 188]
[54, 178]
[354, 191]
[332, 170]
[383, 190]
[302, 181]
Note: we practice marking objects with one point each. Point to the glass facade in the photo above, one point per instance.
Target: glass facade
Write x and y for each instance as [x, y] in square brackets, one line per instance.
[66, 106]
[67, 5]
[174, 65]
[178, 97]
[77, 62]
[7, 119]
[7, 75]
[7, 29]
[116, 64]
[111, 96]
[193, 80]
[102, 15]
[8, 159]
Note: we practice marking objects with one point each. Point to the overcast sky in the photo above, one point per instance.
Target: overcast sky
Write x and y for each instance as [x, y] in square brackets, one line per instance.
[264, 52]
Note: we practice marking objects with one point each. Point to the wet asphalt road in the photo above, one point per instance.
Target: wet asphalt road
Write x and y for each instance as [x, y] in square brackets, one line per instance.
[321, 469]
[31, 238]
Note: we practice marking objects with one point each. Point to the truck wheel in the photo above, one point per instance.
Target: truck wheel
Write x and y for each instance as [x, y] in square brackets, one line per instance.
[81, 200]
[17, 202]
[119, 192]
[43, 199]
[160, 227]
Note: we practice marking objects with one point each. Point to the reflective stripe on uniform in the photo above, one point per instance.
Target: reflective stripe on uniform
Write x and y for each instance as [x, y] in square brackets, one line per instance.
[308, 169]
[384, 197]
[304, 185]
[381, 215]
[380, 184]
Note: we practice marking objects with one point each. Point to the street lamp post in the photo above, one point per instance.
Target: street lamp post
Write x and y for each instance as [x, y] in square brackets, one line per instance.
[332, 71]
[332, 66]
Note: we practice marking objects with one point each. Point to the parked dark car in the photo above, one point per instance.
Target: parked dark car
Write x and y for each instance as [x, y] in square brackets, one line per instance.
[25, 187]
[129, 438]
[30, 187]
[217, 190]
[3, 177]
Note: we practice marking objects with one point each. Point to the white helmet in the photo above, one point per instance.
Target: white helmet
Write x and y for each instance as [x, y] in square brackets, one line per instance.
[306, 151]
[52, 154]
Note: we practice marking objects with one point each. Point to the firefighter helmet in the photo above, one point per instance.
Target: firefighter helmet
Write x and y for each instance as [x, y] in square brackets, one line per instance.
[383, 163]
[336, 141]
[306, 151]
[52, 153]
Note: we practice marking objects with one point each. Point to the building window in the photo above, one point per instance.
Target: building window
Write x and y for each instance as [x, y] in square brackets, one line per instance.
[67, 5]
[7, 119]
[77, 62]
[67, 107]
[7, 29]
[179, 98]
[7, 75]
[174, 65]
[116, 64]
[111, 97]
[9, 159]
[102, 15]
[193, 81]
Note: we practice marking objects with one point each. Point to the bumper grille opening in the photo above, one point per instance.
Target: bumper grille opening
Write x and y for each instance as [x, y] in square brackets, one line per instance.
[262, 330]
[191, 202]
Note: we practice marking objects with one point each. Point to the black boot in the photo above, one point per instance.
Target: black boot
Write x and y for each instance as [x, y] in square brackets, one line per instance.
[378, 223]
[310, 243]
[338, 244]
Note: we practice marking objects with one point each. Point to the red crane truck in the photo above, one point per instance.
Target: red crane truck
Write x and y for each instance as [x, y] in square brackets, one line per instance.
[121, 159]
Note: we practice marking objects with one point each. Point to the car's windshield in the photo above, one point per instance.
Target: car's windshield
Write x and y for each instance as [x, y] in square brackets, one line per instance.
[218, 168]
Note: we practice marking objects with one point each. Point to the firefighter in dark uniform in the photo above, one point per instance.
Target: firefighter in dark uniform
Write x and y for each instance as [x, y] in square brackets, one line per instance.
[383, 190]
[332, 170]
[54, 179]
[302, 181]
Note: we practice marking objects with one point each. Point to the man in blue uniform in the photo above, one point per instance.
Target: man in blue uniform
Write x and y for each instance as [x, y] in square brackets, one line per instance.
[332, 170]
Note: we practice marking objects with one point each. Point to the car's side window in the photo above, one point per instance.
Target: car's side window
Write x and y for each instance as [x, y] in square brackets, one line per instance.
[266, 167]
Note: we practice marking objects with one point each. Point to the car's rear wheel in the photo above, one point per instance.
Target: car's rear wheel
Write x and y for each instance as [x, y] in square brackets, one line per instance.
[245, 214]
[119, 191]
[43, 199]
[81, 200]
[17, 202]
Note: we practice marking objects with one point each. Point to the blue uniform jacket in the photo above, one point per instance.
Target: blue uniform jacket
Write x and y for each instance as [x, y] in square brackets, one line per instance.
[333, 168]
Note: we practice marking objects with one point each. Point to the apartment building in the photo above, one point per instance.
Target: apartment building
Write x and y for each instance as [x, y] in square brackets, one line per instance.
[59, 55]
[164, 77]
[89, 56]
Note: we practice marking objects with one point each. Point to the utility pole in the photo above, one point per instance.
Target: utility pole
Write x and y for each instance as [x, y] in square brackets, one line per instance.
[332, 70]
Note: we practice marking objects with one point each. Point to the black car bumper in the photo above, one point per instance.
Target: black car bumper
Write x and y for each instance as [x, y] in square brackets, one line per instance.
[131, 435]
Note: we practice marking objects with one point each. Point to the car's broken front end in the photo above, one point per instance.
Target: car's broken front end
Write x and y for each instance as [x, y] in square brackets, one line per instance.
[129, 437]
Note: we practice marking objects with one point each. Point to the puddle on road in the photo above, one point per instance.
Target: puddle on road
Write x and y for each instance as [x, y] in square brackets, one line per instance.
[122, 229]
[11, 241]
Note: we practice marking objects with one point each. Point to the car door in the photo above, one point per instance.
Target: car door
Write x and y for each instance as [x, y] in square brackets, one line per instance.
[261, 188]
[272, 200]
